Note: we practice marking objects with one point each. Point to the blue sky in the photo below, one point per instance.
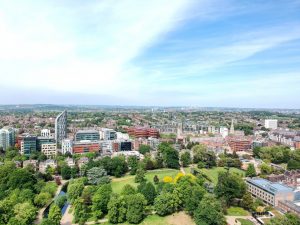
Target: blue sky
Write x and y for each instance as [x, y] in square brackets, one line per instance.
[227, 53]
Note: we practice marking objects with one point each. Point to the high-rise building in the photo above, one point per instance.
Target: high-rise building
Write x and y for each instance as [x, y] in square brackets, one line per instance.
[61, 127]
[271, 124]
[7, 137]
[43, 140]
[49, 149]
[231, 128]
[91, 135]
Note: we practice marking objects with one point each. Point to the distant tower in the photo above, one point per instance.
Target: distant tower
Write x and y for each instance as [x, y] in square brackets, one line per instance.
[231, 128]
[61, 127]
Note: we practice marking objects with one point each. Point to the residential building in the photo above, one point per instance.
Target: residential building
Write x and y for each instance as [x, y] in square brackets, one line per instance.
[80, 147]
[239, 143]
[33, 163]
[269, 192]
[290, 178]
[7, 137]
[67, 146]
[49, 149]
[28, 145]
[48, 163]
[90, 135]
[142, 132]
[289, 207]
[271, 124]
[61, 127]
[70, 162]
[82, 161]
[224, 131]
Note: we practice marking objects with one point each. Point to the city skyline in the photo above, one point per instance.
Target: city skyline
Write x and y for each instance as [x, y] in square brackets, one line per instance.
[188, 53]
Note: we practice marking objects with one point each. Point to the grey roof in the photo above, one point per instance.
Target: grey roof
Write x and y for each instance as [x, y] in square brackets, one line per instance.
[270, 186]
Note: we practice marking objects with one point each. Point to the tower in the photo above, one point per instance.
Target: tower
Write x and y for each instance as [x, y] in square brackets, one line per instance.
[231, 128]
[61, 127]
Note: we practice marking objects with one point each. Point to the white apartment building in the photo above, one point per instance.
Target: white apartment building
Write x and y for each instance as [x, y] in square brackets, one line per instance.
[48, 163]
[224, 131]
[271, 124]
[67, 146]
[49, 149]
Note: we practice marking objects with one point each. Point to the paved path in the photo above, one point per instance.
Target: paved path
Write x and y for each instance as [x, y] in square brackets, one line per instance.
[182, 170]
[67, 217]
[41, 211]
[231, 220]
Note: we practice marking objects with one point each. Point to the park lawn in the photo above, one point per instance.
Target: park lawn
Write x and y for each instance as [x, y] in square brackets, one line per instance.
[237, 211]
[213, 172]
[187, 169]
[245, 222]
[179, 218]
[118, 183]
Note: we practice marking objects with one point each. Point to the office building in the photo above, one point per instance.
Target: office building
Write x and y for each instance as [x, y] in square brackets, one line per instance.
[271, 124]
[142, 132]
[49, 149]
[28, 145]
[43, 140]
[269, 192]
[67, 146]
[61, 127]
[87, 135]
[108, 134]
[7, 137]
[239, 143]
[80, 147]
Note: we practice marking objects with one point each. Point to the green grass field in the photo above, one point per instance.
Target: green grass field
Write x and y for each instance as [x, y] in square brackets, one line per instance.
[118, 183]
[149, 220]
[237, 211]
[245, 222]
[213, 173]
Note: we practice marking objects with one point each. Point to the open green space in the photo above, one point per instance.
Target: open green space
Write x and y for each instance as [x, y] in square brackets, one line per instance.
[245, 222]
[237, 211]
[213, 172]
[118, 183]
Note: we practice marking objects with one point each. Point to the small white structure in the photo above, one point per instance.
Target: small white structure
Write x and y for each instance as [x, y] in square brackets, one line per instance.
[224, 131]
[45, 133]
[70, 162]
[271, 124]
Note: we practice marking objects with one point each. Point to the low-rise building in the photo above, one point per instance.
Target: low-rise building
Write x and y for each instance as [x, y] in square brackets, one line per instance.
[82, 161]
[80, 147]
[49, 149]
[286, 206]
[28, 145]
[33, 163]
[90, 135]
[269, 192]
[67, 146]
[70, 162]
[48, 163]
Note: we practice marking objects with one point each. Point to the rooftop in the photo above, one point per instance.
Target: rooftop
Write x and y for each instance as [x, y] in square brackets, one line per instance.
[270, 186]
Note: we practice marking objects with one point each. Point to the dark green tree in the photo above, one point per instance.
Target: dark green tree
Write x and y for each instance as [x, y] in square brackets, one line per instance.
[143, 149]
[55, 214]
[135, 208]
[185, 159]
[100, 200]
[250, 172]
[117, 209]
[148, 190]
[133, 164]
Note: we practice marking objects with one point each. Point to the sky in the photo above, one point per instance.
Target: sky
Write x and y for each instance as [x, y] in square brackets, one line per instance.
[206, 53]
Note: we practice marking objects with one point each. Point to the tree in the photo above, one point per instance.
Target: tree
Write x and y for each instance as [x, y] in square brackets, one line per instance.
[140, 175]
[163, 204]
[42, 199]
[293, 164]
[288, 218]
[21, 178]
[97, 175]
[201, 154]
[185, 159]
[128, 190]
[192, 198]
[148, 190]
[55, 214]
[66, 172]
[198, 151]
[143, 149]
[135, 208]
[60, 201]
[75, 189]
[119, 166]
[80, 211]
[250, 172]
[132, 164]
[155, 179]
[247, 201]
[265, 169]
[46, 221]
[100, 200]
[209, 212]
[169, 154]
[117, 209]
[230, 186]
[24, 214]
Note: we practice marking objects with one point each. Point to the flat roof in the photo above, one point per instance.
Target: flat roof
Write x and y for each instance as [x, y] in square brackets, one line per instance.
[87, 131]
[269, 186]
